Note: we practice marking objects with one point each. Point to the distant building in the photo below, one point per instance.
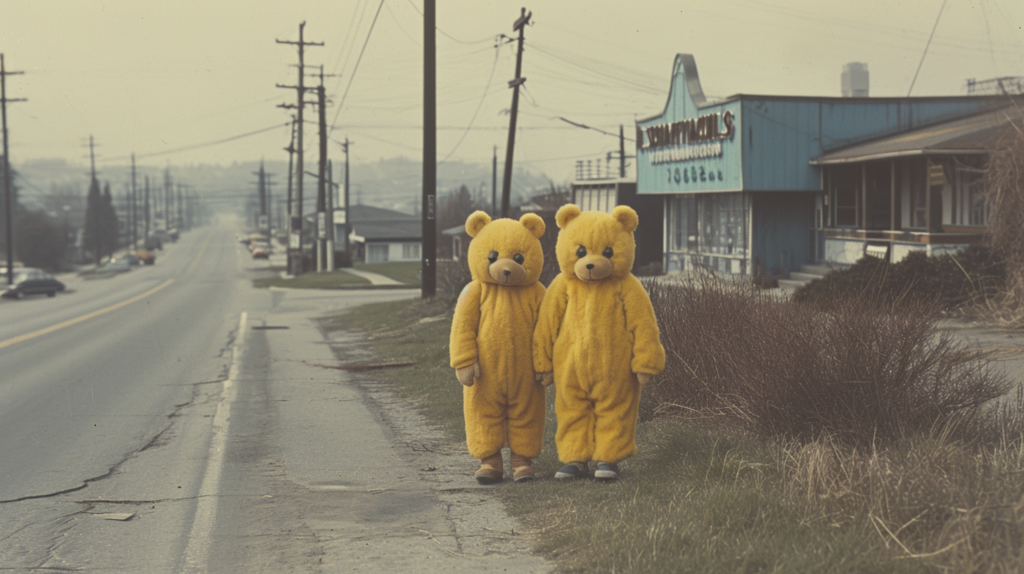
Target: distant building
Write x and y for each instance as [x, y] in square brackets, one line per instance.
[855, 80]
[378, 235]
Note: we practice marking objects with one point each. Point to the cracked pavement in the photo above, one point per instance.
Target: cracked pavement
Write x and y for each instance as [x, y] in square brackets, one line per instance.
[108, 435]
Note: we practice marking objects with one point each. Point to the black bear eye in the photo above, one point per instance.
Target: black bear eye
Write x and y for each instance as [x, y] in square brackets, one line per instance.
[608, 252]
[493, 256]
[581, 252]
[518, 258]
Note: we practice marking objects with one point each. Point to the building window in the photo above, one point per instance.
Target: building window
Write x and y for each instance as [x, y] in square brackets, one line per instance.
[878, 187]
[918, 194]
[846, 189]
[377, 252]
[682, 223]
[597, 198]
[410, 251]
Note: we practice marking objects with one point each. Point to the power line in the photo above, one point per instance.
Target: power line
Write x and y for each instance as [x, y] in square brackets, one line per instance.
[200, 145]
[930, 36]
[446, 34]
[352, 76]
[477, 111]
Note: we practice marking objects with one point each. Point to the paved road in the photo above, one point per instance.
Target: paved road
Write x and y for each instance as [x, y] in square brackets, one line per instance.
[159, 397]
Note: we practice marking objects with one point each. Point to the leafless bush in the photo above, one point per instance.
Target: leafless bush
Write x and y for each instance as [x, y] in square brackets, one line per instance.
[857, 373]
[1004, 190]
[452, 276]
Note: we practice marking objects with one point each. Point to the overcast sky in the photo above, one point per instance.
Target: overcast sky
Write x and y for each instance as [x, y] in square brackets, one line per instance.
[154, 77]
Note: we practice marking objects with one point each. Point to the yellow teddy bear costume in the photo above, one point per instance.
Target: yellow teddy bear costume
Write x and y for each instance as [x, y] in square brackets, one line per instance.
[491, 342]
[598, 334]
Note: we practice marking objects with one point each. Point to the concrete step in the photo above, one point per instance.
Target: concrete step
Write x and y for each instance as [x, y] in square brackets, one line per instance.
[791, 284]
[819, 270]
[805, 277]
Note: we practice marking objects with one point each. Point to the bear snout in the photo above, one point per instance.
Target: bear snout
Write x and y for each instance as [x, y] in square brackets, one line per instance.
[507, 272]
[593, 268]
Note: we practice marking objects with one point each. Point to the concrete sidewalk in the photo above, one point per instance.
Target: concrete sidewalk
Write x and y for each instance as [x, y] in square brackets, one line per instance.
[350, 476]
[373, 278]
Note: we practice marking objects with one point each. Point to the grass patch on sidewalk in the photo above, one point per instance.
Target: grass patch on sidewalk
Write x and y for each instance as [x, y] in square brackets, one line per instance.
[331, 280]
[407, 272]
[412, 330]
[707, 495]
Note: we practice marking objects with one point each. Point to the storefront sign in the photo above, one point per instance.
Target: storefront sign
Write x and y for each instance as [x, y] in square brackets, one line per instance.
[706, 128]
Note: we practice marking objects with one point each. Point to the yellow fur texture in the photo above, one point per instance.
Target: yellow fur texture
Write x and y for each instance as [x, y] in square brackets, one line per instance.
[493, 329]
[597, 332]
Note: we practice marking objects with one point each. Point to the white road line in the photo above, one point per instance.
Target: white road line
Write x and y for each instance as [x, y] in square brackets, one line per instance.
[196, 553]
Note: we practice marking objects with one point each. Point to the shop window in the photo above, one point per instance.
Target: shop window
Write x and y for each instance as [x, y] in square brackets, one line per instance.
[918, 194]
[723, 224]
[682, 223]
[878, 187]
[846, 190]
[970, 195]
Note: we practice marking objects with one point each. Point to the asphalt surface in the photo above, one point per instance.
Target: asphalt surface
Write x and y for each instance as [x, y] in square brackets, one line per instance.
[176, 419]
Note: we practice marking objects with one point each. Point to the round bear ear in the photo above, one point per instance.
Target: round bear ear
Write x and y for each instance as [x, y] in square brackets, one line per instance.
[565, 214]
[626, 216]
[533, 223]
[476, 221]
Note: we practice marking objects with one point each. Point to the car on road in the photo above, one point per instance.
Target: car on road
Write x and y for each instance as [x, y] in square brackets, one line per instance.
[31, 281]
[131, 258]
[146, 257]
[116, 266]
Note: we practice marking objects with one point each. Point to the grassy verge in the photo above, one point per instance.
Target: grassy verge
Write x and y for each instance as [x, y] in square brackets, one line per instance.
[332, 280]
[407, 272]
[705, 496]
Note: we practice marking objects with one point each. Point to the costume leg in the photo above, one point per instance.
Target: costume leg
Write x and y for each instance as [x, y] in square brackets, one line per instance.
[616, 408]
[484, 410]
[526, 405]
[575, 434]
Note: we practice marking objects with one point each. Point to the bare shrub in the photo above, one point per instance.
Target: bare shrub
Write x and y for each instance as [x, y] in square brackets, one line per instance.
[860, 374]
[1004, 193]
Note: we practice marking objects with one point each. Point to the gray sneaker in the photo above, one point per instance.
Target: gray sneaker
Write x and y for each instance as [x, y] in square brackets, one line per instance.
[607, 471]
[575, 469]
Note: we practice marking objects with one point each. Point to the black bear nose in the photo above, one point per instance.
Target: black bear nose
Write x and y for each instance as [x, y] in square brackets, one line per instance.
[590, 265]
[507, 272]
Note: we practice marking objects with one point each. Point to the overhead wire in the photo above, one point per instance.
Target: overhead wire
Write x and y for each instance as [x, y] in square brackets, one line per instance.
[352, 76]
[487, 88]
[199, 145]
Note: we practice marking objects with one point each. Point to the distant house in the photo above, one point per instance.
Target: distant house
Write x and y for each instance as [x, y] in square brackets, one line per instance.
[380, 235]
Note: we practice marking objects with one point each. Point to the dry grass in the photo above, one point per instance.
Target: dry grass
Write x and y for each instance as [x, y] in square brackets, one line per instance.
[862, 374]
[1004, 189]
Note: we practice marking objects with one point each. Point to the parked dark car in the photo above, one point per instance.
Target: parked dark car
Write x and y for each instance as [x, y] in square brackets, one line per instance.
[28, 281]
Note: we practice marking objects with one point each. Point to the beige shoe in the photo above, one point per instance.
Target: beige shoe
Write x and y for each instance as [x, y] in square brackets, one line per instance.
[490, 471]
[522, 468]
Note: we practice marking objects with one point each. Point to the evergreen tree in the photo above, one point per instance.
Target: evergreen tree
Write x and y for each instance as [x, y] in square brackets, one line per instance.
[108, 220]
[91, 237]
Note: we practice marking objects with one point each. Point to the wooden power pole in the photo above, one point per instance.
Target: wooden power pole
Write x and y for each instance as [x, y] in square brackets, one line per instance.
[295, 233]
[8, 187]
[428, 273]
[506, 188]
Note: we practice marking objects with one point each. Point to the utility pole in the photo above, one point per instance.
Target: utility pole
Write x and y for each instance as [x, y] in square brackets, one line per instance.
[145, 209]
[428, 273]
[97, 233]
[295, 240]
[8, 188]
[291, 154]
[134, 217]
[270, 203]
[321, 199]
[330, 216]
[622, 154]
[167, 200]
[506, 188]
[345, 196]
[261, 190]
[494, 183]
[180, 217]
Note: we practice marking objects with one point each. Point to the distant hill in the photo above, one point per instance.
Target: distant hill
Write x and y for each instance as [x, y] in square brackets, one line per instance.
[394, 183]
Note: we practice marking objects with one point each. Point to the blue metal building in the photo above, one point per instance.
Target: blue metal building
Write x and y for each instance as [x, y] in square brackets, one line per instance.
[743, 179]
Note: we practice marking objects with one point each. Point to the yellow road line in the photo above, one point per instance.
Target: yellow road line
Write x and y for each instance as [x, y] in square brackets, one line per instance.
[87, 316]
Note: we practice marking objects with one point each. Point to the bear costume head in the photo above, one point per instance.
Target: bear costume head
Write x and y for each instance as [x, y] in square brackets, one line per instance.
[593, 245]
[505, 251]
